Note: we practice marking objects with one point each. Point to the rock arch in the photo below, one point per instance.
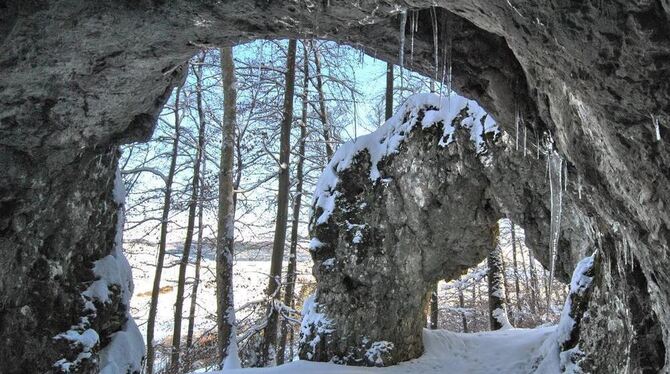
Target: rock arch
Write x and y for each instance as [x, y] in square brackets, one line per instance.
[79, 78]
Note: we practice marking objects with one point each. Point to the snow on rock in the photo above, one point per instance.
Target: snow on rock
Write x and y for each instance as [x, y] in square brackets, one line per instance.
[501, 316]
[568, 328]
[315, 244]
[114, 269]
[314, 324]
[377, 351]
[579, 283]
[436, 110]
[124, 354]
[84, 341]
[126, 350]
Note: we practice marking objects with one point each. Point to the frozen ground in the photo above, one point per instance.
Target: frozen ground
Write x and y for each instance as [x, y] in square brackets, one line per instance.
[514, 351]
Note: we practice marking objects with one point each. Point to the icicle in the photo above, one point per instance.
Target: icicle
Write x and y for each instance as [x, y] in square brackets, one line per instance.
[433, 16]
[412, 28]
[516, 123]
[657, 127]
[548, 174]
[444, 73]
[448, 62]
[403, 23]
[449, 83]
[555, 163]
[565, 176]
[416, 21]
[579, 186]
[525, 130]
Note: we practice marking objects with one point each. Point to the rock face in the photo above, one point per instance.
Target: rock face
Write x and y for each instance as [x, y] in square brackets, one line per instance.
[426, 215]
[79, 78]
[413, 203]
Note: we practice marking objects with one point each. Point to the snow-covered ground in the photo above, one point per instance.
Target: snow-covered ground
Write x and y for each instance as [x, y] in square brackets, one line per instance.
[513, 351]
[252, 264]
[510, 351]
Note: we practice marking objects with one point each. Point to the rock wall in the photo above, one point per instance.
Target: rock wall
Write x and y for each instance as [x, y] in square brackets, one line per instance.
[79, 78]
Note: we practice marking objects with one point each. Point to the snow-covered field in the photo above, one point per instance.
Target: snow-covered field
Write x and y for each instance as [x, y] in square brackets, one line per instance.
[504, 351]
[252, 264]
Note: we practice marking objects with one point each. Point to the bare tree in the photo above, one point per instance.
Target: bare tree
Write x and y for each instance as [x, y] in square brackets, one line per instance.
[155, 291]
[291, 271]
[461, 304]
[227, 343]
[192, 204]
[327, 136]
[534, 284]
[268, 350]
[389, 90]
[196, 276]
[433, 308]
[515, 268]
[497, 308]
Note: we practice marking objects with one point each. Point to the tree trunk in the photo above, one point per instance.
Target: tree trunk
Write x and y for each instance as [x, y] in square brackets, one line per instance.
[196, 276]
[155, 292]
[225, 305]
[474, 305]
[268, 349]
[291, 271]
[547, 294]
[322, 105]
[534, 285]
[503, 272]
[526, 278]
[517, 289]
[433, 308]
[195, 190]
[389, 90]
[497, 308]
[461, 304]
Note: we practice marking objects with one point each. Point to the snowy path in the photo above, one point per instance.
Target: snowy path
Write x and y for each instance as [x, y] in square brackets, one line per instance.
[516, 351]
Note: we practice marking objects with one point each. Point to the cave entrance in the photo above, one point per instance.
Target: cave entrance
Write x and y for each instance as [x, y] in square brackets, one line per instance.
[348, 84]
[87, 121]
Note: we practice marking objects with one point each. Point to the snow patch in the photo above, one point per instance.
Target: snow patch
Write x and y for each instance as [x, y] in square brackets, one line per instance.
[579, 283]
[315, 244]
[377, 351]
[313, 325]
[500, 315]
[329, 263]
[125, 352]
[84, 341]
